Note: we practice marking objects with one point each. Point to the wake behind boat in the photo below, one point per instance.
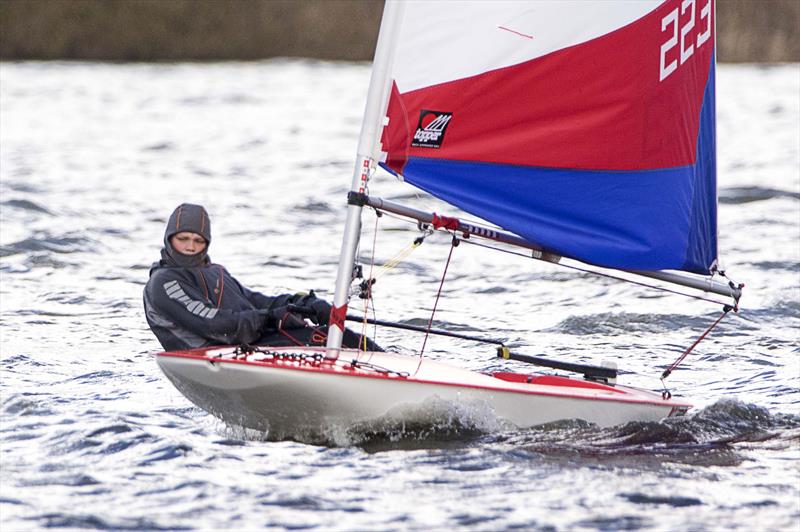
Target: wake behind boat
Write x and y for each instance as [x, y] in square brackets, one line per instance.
[578, 133]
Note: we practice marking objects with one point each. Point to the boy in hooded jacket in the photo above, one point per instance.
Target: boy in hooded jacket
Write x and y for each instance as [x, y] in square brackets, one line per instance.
[191, 302]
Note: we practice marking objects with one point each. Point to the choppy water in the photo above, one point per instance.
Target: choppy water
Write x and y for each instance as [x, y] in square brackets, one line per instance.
[93, 157]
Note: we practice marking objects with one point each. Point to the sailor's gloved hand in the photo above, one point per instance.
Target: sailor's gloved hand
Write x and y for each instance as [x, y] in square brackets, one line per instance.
[282, 318]
[320, 310]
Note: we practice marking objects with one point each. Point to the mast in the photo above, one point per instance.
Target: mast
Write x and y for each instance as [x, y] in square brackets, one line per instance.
[371, 127]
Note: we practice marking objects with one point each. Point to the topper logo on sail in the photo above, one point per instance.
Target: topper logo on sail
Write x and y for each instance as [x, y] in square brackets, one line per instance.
[431, 128]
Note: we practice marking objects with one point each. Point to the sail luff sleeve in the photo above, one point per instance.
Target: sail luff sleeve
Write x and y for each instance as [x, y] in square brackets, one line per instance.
[377, 99]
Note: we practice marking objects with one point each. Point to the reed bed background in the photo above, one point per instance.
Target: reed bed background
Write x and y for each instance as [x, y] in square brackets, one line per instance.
[219, 30]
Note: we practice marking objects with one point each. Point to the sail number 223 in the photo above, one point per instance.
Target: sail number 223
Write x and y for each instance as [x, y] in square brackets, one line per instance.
[684, 35]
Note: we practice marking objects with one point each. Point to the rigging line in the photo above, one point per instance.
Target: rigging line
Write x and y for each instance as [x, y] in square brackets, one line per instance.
[601, 274]
[398, 217]
[439, 332]
[374, 327]
[398, 258]
[369, 286]
[732, 284]
[392, 262]
[370, 279]
[674, 365]
[425, 231]
[453, 245]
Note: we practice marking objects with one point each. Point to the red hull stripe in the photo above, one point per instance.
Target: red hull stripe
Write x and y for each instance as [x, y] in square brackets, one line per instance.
[325, 368]
[550, 380]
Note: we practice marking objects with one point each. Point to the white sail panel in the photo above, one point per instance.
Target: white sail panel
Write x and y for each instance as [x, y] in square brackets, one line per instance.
[442, 41]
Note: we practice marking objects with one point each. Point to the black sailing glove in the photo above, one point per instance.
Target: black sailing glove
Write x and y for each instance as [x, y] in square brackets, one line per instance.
[320, 309]
[282, 318]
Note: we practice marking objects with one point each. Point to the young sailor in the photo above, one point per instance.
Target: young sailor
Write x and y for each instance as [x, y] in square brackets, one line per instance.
[191, 302]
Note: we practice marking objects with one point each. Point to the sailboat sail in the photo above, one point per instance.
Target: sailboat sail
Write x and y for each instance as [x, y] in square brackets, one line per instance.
[587, 128]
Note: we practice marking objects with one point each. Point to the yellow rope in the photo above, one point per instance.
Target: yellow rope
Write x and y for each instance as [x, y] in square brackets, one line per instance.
[397, 259]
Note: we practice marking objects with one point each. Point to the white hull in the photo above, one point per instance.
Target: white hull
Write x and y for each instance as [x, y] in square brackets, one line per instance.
[291, 398]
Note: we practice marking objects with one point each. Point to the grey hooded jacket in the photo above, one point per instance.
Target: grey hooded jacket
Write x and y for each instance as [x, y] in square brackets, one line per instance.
[191, 302]
[204, 305]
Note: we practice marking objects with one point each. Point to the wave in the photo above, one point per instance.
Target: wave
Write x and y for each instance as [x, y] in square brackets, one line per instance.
[25, 205]
[769, 265]
[315, 207]
[710, 437]
[623, 322]
[435, 424]
[19, 405]
[84, 521]
[56, 244]
[739, 195]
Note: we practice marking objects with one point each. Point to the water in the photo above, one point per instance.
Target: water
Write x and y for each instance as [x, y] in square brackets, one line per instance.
[93, 159]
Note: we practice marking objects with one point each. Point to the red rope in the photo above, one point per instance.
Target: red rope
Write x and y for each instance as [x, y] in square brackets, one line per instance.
[318, 337]
[290, 337]
[689, 350]
[453, 245]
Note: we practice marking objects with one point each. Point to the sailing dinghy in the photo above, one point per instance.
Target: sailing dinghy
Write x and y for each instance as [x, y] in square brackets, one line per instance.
[576, 130]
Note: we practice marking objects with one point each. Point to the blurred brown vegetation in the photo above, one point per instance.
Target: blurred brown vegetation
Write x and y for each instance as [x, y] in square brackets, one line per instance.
[758, 30]
[205, 30]
[177, 30]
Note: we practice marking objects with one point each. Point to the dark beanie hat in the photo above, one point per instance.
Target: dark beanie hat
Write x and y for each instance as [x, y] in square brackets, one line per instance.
[193, 219]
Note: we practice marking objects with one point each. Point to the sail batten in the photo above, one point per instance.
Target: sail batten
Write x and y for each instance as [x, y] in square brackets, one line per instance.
[597, 141]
